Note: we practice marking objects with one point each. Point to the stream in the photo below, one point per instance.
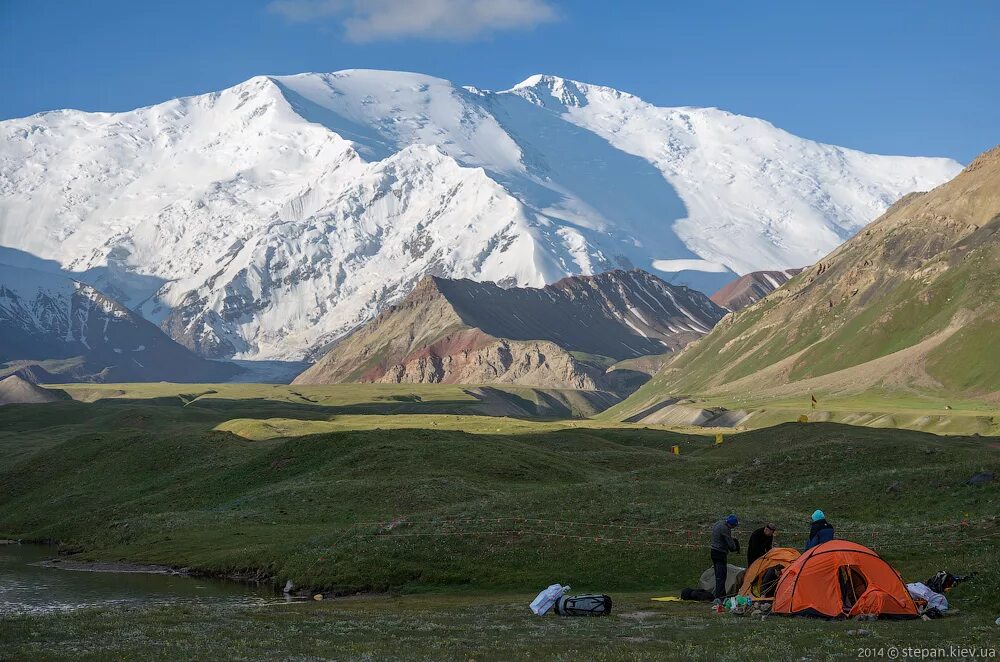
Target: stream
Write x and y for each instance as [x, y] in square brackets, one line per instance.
[29, 588]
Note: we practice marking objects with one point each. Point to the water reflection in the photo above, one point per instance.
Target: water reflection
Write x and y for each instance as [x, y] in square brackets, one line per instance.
[25, 587]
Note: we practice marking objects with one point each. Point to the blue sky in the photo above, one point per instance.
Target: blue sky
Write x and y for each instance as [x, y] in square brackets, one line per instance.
[887, 76]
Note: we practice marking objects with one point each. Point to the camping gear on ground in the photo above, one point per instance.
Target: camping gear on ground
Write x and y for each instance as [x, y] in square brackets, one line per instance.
[734, 577]
[944, 581]
[583, 605]
[757, 582]
[546, 599]
[738, 604]
[737, 601]
[842, 579]
[668, 598]
[696, 594]
[932, 599]
[941, 581]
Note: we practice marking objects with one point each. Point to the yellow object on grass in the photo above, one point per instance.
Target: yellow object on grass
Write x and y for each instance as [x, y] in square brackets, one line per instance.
[667, 598]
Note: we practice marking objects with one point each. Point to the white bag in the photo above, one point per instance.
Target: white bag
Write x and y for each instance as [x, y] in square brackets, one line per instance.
[935, 600]
[543, 603]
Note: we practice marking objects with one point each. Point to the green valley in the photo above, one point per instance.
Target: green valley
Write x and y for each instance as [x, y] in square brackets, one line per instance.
[333, 491]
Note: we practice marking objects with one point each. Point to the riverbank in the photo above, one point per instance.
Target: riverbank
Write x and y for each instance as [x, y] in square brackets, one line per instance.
[119, 567]
[255, 579]
[31, 584]
[480, 626]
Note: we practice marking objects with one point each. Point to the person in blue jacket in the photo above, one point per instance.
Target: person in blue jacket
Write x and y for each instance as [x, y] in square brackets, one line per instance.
[820, 531]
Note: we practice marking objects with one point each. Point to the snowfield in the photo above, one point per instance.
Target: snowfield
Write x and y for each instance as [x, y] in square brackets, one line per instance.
[266, 220]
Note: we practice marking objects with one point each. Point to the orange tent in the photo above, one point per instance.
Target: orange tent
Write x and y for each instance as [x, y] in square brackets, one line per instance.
[779, 557]
[842, 579]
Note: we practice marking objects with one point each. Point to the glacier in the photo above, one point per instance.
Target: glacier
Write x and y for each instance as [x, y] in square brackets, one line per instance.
[266, 220]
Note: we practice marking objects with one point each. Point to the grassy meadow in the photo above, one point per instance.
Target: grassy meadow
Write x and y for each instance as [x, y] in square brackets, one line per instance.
[466, 627]
[390, 491]
[884, 408]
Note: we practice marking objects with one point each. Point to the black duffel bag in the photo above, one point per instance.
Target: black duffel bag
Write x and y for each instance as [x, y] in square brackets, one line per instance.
[696, 594]
[583, 605]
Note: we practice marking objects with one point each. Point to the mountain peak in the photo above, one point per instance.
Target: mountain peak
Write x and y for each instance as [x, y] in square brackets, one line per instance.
[558, 93]
[341, 190]
[751, 288]
[552, 92]
[547, 81]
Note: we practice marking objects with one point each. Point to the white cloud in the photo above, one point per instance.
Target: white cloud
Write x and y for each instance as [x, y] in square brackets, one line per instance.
[452, 20]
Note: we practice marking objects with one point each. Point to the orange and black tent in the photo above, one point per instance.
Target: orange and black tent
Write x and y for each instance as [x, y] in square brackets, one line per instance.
[757, 583]
[842, 579]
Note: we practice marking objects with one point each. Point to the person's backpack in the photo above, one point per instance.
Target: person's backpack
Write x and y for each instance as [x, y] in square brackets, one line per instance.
[941, 581]
[944, 581]
[583, 605]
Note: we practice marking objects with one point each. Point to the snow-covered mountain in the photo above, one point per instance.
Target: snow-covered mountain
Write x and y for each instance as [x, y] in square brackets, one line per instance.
[55, 326]
[267, 219]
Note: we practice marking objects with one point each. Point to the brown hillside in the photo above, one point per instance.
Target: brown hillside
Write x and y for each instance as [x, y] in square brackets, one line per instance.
[910, 303]
[564, 335]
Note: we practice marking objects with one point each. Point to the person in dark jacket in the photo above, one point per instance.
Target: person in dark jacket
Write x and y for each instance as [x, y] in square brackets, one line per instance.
[723, 542]
[820, 531]
[760, 542]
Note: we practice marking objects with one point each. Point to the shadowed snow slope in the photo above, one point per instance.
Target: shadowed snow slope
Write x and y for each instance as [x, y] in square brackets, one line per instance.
[268, 219]
[76, 333]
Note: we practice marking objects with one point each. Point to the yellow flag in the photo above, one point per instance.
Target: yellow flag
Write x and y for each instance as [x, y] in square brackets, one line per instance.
[676, 450]
[718, 439]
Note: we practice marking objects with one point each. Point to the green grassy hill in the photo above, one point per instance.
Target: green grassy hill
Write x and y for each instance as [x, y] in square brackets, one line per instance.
[322, 401]
[938, 413]
[508, 505]
[906, 307]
